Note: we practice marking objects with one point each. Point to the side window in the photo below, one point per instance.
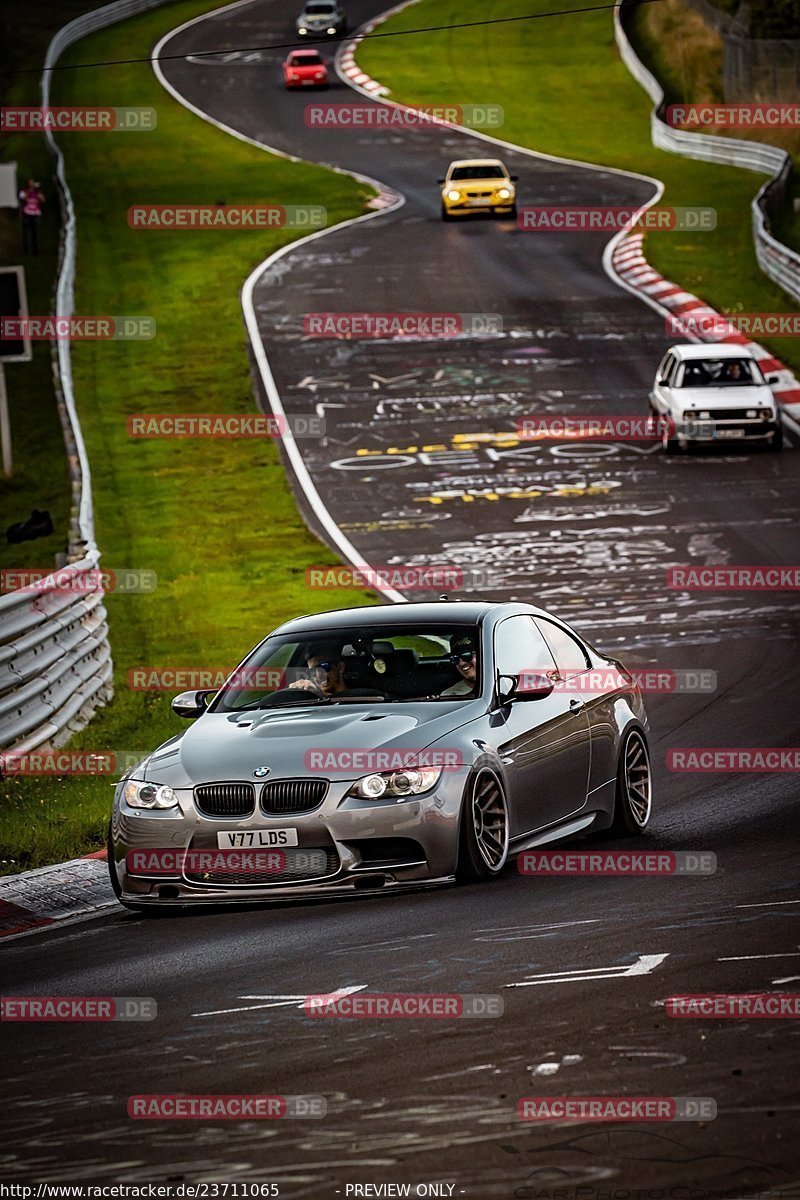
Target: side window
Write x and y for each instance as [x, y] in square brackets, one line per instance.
[671, 371]
[519, 647]
[570, 656]
[665, 366]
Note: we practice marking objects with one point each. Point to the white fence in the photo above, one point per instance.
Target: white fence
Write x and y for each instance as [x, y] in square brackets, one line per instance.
[777, 261]
[55, 658]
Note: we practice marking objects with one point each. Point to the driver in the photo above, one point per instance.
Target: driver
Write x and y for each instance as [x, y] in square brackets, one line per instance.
[326, 666]
[464, 656]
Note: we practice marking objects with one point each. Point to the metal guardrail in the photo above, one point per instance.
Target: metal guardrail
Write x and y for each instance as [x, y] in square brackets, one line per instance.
[781, 264]
[55, 657]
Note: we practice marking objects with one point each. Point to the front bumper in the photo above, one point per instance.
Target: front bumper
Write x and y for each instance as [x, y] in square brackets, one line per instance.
[485, 200]
[351, 846]
[308, 82]
[309, 31]
[719, 430]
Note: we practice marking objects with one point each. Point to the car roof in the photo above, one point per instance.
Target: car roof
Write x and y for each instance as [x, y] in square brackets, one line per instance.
[461, 612]
[691, 350]
[476, 162]
[304, 53]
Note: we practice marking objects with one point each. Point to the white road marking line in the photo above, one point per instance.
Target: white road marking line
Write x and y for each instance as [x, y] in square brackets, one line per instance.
[557, 925]
[787, 979]
[278, 1001]
[752, 957]
[643, 966]
[769, 904]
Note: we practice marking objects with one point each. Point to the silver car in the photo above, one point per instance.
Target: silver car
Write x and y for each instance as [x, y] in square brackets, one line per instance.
[714, 393]
[373, 748]
[321, 18]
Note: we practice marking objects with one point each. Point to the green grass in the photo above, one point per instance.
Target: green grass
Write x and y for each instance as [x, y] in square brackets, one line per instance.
[214, 519]
[565, 91]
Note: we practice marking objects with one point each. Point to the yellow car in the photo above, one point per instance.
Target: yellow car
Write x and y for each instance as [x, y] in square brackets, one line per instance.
[478, 185]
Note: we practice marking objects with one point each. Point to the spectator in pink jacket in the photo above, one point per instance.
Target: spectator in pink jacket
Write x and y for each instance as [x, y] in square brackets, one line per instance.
[31, 199]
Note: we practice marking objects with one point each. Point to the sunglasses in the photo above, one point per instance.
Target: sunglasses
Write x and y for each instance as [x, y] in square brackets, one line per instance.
[462, 656]
[323, 666]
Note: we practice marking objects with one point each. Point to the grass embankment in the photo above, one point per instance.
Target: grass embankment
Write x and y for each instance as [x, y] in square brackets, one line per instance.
[686, 57]
[214, 519]
[565, 91]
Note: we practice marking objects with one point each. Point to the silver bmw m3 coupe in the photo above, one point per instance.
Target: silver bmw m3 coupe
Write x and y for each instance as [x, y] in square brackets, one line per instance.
[373, 748]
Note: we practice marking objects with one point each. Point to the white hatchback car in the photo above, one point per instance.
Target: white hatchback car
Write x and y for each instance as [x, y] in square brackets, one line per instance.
[711, 392]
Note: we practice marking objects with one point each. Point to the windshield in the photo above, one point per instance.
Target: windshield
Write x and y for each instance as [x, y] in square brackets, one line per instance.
[721, 372]
[390, 664]
[320, 10]
[490, 172]
[308, 58]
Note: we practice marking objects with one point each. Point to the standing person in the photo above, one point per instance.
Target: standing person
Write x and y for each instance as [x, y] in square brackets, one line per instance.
[31, 199]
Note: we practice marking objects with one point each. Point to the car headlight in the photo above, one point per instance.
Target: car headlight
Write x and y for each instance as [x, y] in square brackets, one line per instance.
[302, 29]
[139, 794]
[332, 30]
[320, 75]
[398, 784]
[453, 195]
[751, 414]
[504, 194]
[704, 416]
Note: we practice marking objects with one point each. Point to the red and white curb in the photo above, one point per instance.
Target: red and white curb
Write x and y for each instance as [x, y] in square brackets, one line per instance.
[346, 58]
[629, 263]
[35, 900]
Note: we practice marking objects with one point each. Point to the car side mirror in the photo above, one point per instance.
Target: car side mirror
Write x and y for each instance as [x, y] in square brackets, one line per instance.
[529, 685]
[514, 178]
[190, 704]
[533, 685]
[440, 180]
[773, 379]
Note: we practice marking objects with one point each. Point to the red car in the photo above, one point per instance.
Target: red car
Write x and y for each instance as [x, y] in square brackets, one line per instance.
[305, 68]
